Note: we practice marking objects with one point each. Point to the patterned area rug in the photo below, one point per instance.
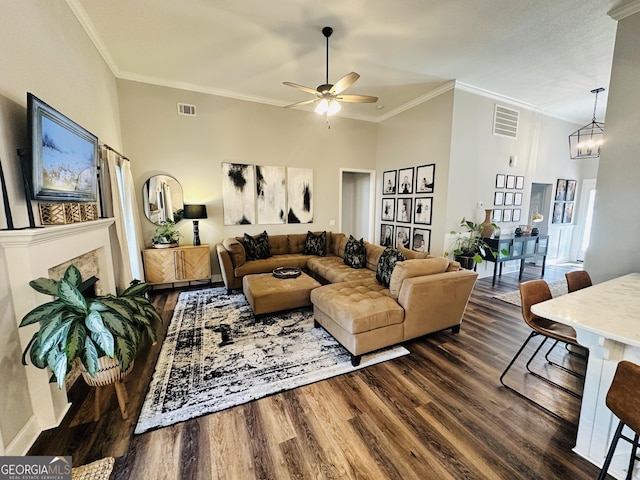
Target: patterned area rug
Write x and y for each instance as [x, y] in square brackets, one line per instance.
[98, 470]
[217, 355]
[557, 288]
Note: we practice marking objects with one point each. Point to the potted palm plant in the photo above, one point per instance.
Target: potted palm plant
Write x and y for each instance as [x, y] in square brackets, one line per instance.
[469, 246]
[92, 331]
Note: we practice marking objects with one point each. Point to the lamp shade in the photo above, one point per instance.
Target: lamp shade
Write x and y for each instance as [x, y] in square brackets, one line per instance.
[195, 211]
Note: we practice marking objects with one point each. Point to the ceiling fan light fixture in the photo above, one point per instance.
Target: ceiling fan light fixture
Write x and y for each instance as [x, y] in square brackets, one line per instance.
[328, 107]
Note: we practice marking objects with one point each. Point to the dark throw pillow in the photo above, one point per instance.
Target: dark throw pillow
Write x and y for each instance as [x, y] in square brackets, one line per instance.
[355, 254]
[257, 247]
[316, 244]
[386, 263]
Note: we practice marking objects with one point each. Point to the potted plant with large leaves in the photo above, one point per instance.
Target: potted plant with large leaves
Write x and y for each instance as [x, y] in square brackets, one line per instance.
[469, 246]
[77, 328]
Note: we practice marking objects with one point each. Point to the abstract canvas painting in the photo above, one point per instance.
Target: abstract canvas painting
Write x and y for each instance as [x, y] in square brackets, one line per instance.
[238, 194]
[271, 194]
[300, 195]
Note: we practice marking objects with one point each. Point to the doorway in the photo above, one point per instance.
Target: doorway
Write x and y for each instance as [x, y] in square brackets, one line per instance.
[585, 217]
[357, 200]
[540, 206]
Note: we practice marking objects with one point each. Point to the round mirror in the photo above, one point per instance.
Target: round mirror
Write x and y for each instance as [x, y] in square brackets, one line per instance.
[162, 199]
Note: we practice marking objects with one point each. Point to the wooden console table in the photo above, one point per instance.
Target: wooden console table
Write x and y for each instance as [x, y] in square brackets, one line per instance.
[519, 248]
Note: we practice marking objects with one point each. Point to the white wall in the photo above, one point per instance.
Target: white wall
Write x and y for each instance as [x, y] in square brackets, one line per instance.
[616, 222]
[44, 50]
[419, 136]
[192, 149]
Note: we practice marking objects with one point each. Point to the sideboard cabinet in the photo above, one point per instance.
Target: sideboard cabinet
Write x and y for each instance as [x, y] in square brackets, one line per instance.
[178, 264]
[518, 248]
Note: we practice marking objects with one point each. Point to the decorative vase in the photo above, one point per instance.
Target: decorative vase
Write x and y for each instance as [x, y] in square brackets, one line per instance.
[486, 227]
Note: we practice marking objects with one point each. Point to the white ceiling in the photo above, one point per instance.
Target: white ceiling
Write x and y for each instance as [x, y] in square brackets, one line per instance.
[547, 54]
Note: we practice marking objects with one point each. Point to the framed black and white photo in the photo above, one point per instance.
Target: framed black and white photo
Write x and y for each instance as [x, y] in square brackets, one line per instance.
[386, 235]
[403, 210]
[421, 241]
[403, 237]
[519, 182]
[567, 215]
[516, 215]
[238, 194]
[511, 181]
[300, 195]
[388, 210]
[271, 195]
[405, 181]
[508, 198]
[517, 199]
[422, 210]
[561, 190]
[501, 180]
[496, 216]
[558, 211]
[389, 180]
[571, 191]
[498, 198]
[506, 215]
[425, 178]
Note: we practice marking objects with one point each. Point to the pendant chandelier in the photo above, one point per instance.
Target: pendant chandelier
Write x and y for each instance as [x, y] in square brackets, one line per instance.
[586, 142]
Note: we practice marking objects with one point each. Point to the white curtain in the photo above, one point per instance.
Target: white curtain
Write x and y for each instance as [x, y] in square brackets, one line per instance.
[119, 201]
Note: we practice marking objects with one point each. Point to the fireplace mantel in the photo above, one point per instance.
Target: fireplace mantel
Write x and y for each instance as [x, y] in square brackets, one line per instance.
[29, 254]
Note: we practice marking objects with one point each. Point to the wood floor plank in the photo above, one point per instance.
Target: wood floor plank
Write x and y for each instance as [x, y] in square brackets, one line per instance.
[438, 413]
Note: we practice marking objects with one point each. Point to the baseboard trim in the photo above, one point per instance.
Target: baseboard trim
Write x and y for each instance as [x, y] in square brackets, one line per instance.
[25, 438]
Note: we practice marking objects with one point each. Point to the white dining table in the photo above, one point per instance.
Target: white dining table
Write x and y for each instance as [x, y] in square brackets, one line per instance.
[606, 318]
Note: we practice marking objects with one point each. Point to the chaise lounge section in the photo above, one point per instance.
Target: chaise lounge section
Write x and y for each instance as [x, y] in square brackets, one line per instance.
[424, 295]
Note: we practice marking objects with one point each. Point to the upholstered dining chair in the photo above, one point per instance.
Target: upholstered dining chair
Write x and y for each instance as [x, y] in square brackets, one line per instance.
[532, 292]
[577, 280]
[622, 400]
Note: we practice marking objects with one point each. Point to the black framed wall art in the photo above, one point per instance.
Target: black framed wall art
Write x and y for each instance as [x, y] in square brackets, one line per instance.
[403, 236]
[425, 178]
[421, 241]
[389, 180]
[403, 210]
[386, 235]
[388, 209]
[405, 181]
[423, 210]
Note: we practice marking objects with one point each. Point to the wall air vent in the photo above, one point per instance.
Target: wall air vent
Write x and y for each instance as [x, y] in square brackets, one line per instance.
[505, 122]
[186, 109]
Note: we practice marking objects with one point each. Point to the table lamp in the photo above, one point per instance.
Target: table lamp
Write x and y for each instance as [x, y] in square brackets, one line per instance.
[195, 212]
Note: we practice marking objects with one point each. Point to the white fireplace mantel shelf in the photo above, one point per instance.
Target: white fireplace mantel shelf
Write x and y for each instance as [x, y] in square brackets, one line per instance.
[32, 236]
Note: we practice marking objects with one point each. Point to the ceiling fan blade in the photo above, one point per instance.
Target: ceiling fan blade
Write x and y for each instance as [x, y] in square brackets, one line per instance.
[304, 102]
[303, 88]
[357, 98]
[344, 83]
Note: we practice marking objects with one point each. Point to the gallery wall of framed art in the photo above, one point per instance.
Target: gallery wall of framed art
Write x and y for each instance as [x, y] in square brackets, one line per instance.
[406, 209]
[507, 198]
[564, 201]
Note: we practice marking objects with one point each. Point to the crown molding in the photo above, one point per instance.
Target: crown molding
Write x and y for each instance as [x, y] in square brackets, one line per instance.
[624, 11]
[417, 101]
[88, 26]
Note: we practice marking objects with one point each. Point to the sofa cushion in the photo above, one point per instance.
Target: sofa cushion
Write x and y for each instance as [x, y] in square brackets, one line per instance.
[415, 268]
[386, 264]
[236, 250]
[358, 306]
[412, 254]
[355, 253]
[316, 244]
[373, 255]
[333, 270]
[279, 244]
[257, 247]
[338, 244]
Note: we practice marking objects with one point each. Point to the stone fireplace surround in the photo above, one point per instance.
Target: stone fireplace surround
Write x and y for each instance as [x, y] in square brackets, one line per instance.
[44, 252]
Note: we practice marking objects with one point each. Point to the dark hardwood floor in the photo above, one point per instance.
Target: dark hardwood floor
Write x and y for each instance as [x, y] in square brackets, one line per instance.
[438, 413]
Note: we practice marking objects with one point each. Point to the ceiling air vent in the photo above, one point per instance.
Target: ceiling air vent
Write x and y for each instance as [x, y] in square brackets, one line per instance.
[505, 122]
[186, 109]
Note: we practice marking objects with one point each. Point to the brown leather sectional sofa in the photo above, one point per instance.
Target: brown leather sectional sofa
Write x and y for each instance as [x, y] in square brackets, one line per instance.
[425, 295]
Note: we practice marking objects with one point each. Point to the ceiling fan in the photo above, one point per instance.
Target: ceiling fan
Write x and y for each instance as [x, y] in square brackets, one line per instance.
[329, 95]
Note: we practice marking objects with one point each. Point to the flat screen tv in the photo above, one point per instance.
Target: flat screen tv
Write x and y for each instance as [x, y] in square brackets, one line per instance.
[64, 156]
